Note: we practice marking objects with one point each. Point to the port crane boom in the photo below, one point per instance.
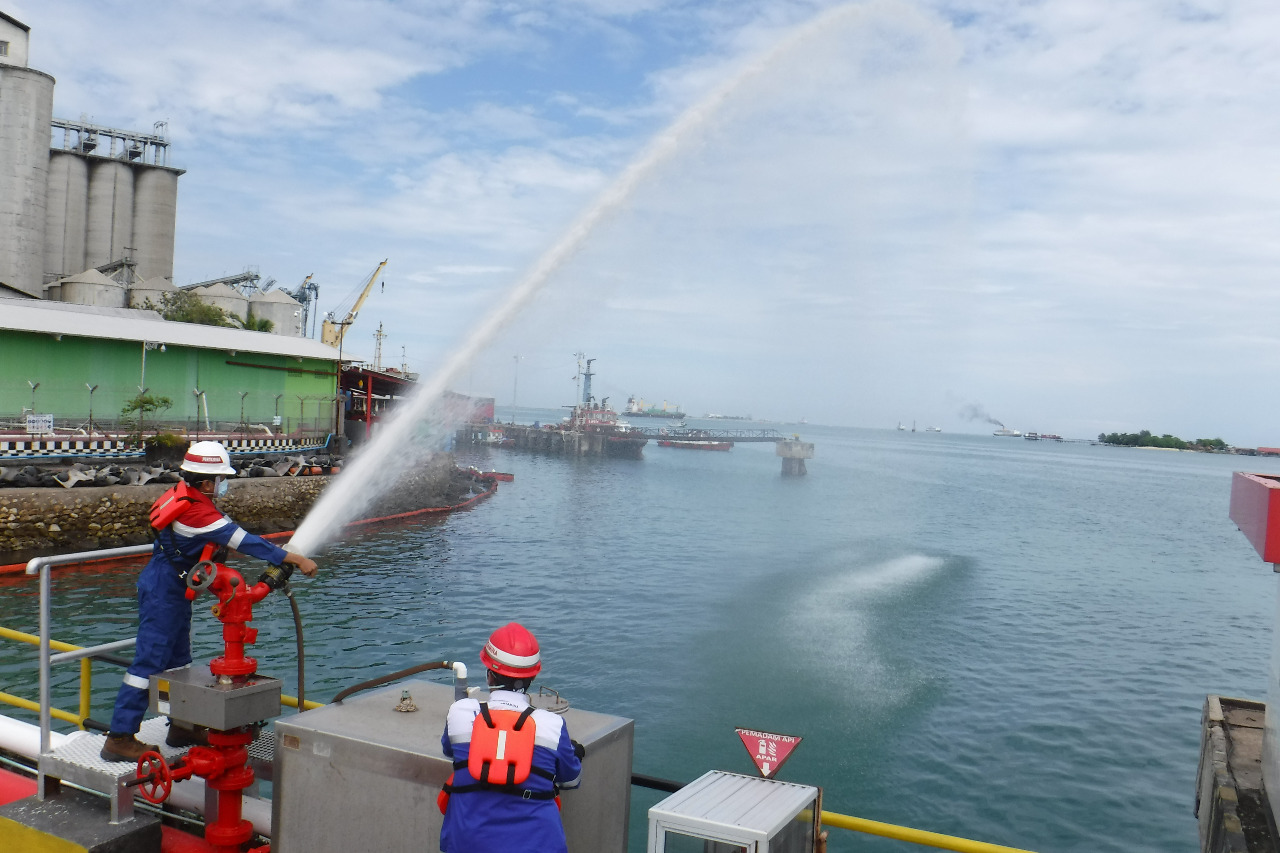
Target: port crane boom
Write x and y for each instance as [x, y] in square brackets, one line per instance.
[332, 331]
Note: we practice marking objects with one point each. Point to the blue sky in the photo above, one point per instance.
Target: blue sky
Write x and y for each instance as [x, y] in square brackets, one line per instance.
[1064, 213]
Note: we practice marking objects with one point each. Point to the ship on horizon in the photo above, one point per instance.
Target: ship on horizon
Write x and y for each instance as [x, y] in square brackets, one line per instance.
[637, 409]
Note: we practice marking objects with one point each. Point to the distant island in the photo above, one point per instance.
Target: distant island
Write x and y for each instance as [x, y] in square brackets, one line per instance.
[1170, 442]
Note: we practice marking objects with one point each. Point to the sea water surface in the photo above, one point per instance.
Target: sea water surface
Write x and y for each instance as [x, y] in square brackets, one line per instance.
[988, 637]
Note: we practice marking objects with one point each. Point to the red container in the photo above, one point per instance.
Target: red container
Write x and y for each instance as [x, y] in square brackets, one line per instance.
[1255, 508]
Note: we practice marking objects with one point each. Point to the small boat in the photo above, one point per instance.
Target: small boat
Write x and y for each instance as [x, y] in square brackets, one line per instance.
[933, 429]
[696, 444]
[1032, 436]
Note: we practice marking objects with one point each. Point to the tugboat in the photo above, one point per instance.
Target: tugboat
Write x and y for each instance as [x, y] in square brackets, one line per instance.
[595, 418]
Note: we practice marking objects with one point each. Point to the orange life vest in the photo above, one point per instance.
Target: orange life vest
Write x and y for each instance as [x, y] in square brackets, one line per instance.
[500, 757]
[170, 505]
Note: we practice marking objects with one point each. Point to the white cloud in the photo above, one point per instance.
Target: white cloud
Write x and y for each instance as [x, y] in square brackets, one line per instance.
[1062, 208]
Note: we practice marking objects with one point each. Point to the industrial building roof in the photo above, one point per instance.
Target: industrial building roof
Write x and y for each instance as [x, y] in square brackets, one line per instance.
[15, 22]
[130, 324]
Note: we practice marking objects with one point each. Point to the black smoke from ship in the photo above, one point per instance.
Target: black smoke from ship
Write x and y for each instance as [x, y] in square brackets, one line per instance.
[975, 412]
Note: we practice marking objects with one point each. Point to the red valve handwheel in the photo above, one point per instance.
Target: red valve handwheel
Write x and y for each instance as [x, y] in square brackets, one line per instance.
[159, 778]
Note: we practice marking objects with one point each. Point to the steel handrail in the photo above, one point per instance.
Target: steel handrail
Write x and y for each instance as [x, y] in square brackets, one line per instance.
[86, 679]
[41, 566]
[914, 836]
[86, 676]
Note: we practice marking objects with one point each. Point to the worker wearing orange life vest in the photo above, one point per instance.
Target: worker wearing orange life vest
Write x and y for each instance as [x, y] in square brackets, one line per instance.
[510, 760]
[185, 520]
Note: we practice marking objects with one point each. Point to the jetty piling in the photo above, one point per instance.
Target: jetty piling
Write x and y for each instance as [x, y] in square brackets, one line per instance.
[793, 453]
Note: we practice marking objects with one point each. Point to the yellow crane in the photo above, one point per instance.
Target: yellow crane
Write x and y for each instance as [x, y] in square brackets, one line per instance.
[332, 331]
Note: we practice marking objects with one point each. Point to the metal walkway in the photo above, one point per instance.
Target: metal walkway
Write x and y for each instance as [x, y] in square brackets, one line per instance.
[691, 434]
[78, 761]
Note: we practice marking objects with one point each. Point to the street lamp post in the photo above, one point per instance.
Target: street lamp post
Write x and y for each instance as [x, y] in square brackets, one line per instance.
[34, 386]
[244, 425]
[91, 388]
[515, 386]
[146, 345]
[142, 433]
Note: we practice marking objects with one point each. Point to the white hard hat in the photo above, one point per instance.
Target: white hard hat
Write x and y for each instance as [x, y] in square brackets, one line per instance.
[207, 457]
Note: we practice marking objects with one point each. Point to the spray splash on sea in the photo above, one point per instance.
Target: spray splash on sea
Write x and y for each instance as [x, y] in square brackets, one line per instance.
[421, 424]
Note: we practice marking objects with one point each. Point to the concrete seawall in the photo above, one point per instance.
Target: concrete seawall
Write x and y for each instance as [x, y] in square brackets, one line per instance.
[40, 521]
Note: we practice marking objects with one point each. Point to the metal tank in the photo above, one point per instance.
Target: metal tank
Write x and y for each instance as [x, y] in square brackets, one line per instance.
[93, 288]
[26, 108]
[152, 291]
[363, 776]
[110, 219]
[66, 214]
[284, 312]
[155, 212]
[225, 297]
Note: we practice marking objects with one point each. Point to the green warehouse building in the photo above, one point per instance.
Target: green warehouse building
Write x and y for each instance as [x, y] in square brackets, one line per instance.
[82, 365]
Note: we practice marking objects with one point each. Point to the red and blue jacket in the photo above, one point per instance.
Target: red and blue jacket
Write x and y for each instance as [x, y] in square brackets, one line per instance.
[179, 545]
[480, 820]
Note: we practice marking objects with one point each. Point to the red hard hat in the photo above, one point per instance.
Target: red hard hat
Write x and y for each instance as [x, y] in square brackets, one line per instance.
[512, 651]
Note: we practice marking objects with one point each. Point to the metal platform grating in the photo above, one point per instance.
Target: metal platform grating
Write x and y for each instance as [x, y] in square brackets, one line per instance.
[79, 761]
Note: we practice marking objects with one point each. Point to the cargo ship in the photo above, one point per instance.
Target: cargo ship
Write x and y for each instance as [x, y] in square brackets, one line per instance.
[637, 409]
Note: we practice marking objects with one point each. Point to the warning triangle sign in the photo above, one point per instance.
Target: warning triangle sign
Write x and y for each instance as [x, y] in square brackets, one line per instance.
[768, 750]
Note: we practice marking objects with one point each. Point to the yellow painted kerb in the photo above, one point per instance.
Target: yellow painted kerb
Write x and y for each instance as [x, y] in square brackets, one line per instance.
[16, 836]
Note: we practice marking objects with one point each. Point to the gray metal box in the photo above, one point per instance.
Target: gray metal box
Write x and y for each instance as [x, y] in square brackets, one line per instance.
[730, 813]
[362, 776]
[194, 696]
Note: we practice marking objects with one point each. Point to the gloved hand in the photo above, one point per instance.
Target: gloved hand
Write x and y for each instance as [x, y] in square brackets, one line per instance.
[578, 749]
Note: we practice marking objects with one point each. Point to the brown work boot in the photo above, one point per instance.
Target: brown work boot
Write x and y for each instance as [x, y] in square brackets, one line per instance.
[125, 748]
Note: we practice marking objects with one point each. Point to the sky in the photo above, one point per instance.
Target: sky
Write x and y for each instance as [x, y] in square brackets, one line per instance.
[1060, 216]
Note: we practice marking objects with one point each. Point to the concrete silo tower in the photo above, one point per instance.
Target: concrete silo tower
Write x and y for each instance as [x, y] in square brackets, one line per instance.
[26, 110]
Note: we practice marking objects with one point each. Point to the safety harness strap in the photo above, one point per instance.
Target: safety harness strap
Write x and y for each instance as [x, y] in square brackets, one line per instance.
[515, 790]
[461, 764]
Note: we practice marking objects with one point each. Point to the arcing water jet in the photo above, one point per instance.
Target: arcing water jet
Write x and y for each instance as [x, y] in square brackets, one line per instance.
[374, 469]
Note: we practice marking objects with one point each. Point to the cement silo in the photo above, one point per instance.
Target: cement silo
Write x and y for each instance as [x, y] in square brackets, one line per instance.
[152, 291]
[93, 288]
[155, 211]
[110, 218]
[284, 312]
[26, 108]
[225, 297]
[66, 219]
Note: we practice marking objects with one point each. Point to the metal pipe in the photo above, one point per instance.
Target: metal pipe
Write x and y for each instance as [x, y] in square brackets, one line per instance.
[28, 705]
[914, 836]
[42, 566]
[90, 651]
[86, 687]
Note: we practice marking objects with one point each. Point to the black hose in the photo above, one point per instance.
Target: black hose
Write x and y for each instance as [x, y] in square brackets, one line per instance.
[384, 679]
[302, 656]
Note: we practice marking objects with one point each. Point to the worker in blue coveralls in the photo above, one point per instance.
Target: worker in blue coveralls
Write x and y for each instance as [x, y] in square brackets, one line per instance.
[186, 521]
[509, 760]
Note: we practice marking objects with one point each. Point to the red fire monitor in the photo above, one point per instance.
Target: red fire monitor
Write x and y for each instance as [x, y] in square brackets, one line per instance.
[1255, 509]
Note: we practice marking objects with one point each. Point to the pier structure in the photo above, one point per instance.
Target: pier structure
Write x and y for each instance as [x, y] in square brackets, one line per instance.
[548, 439]
[793, 453]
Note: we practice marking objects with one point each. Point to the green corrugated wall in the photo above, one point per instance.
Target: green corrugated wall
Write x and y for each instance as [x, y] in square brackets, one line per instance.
[63, 367]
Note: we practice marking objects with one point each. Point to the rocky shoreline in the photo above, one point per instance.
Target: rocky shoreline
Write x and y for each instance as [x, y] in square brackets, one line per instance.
[42, 521]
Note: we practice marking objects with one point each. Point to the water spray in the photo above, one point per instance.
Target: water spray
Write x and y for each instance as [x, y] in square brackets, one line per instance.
[357, 487]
